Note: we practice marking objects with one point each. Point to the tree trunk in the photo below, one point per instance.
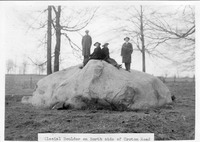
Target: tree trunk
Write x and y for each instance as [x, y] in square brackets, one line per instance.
[58, 40]
[49, 70]
[142, 40]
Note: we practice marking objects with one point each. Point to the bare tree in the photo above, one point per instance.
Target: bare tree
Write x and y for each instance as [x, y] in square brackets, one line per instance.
[65, 20]
[62, 29]
[24, 66]
[150, 31]
[10, 65]
[41, 69]
[180, 33]
[49, 32]
[136, 27]
[142, 39]
[39, 65]
[58, 38]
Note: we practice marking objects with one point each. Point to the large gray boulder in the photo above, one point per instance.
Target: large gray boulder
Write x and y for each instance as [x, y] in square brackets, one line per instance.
[103, 83]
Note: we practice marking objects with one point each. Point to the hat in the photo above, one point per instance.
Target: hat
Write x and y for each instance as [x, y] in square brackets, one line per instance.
[87, 31]
[105, 44]
[126, 38]
[97, 43]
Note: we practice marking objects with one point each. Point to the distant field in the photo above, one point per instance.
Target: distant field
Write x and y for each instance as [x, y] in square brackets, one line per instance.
[182, 79]
[171, 122]
[21, 84]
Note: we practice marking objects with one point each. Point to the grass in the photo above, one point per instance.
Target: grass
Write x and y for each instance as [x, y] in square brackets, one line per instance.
[171, 122]
[21, 84]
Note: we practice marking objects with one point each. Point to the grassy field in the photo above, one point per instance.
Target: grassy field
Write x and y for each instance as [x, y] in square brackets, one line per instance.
[21, 84]
[172, 122]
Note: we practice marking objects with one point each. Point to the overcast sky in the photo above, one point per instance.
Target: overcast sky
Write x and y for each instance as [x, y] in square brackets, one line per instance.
[20, 42]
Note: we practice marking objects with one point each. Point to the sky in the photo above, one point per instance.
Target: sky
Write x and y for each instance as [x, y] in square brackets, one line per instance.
[21, 43]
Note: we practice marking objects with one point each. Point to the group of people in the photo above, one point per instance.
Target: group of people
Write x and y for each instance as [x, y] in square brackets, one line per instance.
[103, 53]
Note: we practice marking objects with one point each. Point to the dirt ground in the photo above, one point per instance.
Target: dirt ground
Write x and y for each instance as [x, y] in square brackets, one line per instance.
[171, 122]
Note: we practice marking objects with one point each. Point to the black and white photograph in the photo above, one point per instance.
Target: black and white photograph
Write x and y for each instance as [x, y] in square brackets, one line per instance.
[99, 68]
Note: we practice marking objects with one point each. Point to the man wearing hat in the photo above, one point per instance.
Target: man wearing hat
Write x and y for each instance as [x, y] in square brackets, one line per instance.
[86, 45]
[126, 51]
[97, 54]
[105, 51]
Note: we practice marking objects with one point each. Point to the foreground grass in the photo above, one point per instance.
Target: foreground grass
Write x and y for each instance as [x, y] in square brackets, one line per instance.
[172, 122]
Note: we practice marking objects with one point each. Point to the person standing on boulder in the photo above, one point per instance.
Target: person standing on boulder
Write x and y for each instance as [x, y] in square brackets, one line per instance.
[86, 45]
[126, 51]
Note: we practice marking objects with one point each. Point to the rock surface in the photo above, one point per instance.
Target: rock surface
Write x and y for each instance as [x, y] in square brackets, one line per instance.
[100, 83]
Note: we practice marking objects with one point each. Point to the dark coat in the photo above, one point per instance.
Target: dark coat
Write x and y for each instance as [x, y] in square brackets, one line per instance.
[86, 45]
[106, 56]
[126, 51]
[96, 54]
[105, 53]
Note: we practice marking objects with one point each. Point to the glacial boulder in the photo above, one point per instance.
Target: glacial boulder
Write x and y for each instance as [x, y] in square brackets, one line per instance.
[100, 83]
